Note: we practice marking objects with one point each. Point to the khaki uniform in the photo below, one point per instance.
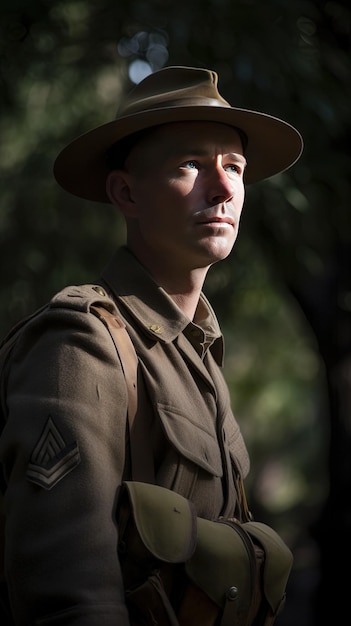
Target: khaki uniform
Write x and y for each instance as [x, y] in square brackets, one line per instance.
[64, 401]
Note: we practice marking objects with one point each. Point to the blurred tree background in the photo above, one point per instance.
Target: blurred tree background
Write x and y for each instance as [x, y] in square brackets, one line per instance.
[284, 295]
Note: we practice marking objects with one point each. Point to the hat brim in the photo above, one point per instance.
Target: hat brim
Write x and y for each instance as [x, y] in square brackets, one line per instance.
[273, 145]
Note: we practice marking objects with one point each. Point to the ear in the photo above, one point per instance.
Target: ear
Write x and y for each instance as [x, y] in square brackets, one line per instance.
[118, 189]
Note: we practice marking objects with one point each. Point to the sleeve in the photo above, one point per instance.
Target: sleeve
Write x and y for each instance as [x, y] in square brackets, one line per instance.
[62, 451]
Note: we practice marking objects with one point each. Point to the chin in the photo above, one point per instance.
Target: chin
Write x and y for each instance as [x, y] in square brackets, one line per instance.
[219, 253]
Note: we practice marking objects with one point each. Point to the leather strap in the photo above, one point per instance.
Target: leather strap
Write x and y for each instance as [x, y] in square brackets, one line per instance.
[141, 457]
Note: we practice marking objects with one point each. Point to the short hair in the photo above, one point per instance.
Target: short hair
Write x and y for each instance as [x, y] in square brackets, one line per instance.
[117, 154]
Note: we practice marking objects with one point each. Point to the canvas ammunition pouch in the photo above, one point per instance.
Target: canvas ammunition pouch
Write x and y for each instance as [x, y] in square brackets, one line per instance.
[181, 570]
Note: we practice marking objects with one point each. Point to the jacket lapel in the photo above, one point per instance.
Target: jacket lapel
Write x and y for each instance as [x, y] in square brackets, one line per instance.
[194, 360]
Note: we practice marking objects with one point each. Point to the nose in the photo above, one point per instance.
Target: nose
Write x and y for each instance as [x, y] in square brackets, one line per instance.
[220, 187]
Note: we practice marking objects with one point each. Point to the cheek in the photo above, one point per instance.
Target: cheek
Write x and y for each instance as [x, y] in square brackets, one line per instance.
[165, 203]
[168, 201]
[157, 211]
[240, 199]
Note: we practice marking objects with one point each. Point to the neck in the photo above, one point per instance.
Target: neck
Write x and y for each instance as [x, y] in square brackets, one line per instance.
[182, 284]
[184, 289]
[187, 302]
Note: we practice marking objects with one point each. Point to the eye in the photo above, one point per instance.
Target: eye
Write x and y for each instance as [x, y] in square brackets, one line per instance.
[233, 168]
[191, 165]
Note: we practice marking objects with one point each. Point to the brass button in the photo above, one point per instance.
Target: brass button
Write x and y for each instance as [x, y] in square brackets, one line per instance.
[99, 290]
[156, 328]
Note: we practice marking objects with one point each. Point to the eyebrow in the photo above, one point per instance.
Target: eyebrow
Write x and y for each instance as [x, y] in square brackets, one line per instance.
[236, 157]
[203, 153]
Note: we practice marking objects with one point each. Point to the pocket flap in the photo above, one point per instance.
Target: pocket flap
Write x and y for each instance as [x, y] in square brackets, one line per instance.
[221, 564]
[165, 521]
[191, 439]
[277, 564]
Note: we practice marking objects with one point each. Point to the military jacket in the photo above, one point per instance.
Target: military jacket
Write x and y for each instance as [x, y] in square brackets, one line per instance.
[63, 445]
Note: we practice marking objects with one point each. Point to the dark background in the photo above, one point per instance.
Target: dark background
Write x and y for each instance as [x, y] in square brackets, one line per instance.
[284, 295]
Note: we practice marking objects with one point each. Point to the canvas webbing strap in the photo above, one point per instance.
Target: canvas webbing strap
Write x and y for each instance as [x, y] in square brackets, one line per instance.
[141, 458]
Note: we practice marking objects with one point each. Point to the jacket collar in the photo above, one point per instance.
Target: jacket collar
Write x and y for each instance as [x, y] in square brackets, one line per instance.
[150, 306]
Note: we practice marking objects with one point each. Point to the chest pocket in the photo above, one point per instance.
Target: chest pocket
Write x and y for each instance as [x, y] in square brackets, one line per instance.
[190, 462]
[192, 441]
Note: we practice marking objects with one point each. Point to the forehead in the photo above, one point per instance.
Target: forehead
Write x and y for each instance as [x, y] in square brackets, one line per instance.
[213, 132]
[183, 136]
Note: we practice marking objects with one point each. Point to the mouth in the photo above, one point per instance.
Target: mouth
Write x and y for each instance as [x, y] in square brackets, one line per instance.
[220, 221]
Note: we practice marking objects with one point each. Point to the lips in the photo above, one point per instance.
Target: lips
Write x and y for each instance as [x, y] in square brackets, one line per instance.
[217, 220]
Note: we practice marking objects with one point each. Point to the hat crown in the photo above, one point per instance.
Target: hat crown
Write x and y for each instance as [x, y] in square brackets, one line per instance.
[175, 94]
[174, 86]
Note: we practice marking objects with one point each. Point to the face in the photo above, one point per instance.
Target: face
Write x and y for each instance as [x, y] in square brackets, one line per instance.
[185, 183]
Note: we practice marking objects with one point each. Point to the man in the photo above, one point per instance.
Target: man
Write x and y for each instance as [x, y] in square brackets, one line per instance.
[175, 163]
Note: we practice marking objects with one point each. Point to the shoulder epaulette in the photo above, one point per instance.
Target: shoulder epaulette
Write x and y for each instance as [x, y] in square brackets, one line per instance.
[82, 298]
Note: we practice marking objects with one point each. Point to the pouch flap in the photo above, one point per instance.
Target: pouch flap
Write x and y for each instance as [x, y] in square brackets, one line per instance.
[165, 521]
[277, 565]
[220, 565]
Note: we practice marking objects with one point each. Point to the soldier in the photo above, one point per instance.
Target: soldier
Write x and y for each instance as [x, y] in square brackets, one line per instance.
[175, 163]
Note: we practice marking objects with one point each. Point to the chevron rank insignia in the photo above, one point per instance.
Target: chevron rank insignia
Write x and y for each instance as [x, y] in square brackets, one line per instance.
[52, 458]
